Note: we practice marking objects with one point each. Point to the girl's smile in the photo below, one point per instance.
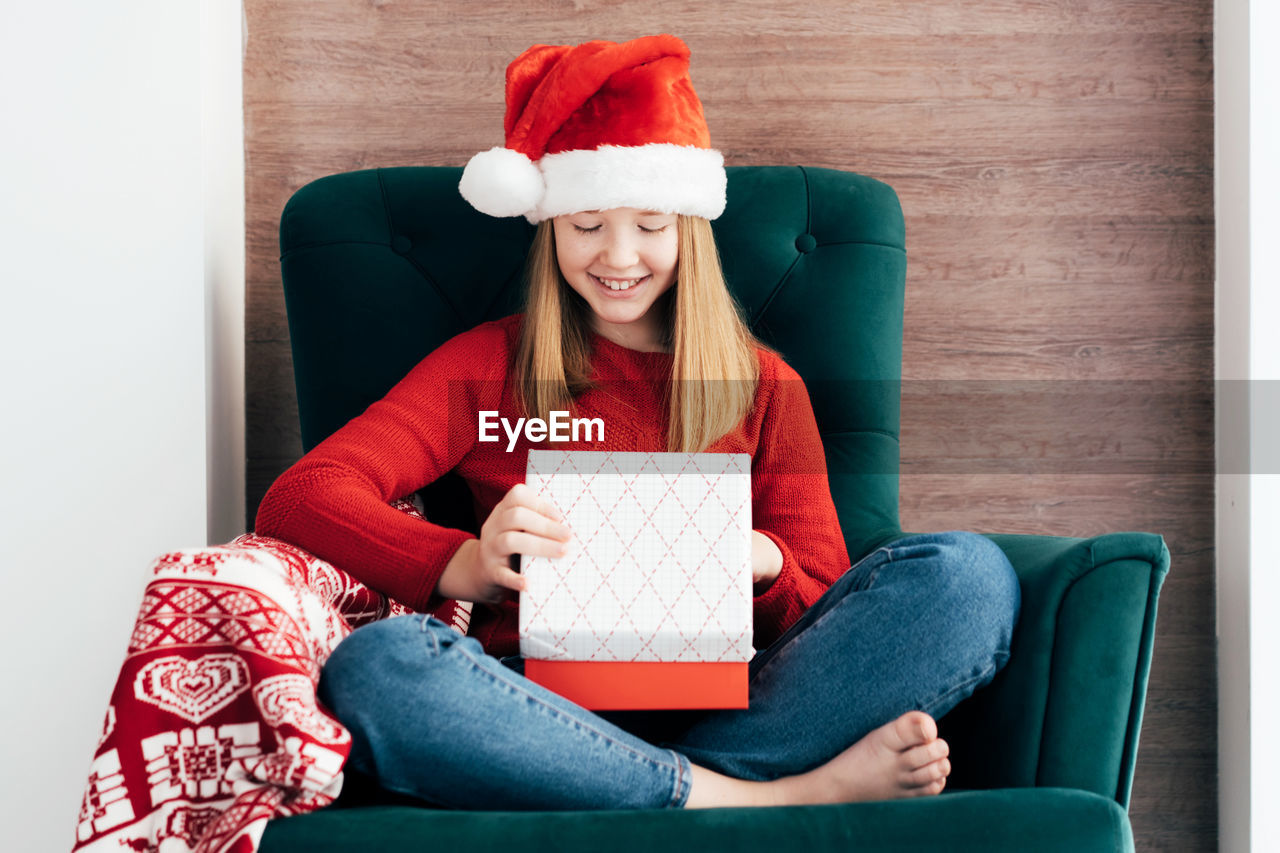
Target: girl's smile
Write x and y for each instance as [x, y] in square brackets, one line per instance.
[620, 261]
[620, 288]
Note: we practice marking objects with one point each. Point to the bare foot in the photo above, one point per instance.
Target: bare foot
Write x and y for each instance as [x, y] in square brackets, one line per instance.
[902, 758]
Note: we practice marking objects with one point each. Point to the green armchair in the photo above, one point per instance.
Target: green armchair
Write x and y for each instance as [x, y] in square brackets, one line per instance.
[381, 266]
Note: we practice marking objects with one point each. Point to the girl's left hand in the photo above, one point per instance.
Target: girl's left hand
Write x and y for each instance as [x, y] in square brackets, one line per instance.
[766, 562]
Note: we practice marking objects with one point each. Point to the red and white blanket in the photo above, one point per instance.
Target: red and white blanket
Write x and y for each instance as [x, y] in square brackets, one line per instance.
[213, 726]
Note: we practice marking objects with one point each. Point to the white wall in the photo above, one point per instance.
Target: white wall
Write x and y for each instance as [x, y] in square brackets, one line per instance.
[103, 449]
[1247, 118]
[1264, 371]
[222, 130]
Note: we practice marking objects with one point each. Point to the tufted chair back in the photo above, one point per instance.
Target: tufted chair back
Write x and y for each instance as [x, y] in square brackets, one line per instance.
[382, 266]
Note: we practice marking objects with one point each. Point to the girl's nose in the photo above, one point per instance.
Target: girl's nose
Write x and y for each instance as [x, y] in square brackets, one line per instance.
[620, 253]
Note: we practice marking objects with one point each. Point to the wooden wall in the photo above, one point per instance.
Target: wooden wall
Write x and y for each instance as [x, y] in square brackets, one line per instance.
[1054, 159]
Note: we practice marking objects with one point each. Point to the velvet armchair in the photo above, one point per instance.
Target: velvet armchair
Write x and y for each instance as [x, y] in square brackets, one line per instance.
[381, 266]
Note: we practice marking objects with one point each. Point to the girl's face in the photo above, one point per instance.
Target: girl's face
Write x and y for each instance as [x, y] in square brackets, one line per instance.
[620, 261]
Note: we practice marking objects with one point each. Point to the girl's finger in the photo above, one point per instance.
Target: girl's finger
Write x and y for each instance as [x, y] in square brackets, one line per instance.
[519, 495]
[510, 580]
[532, 521]
[518, 542]
[549, 509]
[523, 495]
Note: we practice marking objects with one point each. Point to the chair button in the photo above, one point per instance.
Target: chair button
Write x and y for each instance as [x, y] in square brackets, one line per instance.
[806, 243]
[401, 244]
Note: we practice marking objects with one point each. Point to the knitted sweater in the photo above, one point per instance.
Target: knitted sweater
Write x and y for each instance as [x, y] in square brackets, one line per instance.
[334, 502]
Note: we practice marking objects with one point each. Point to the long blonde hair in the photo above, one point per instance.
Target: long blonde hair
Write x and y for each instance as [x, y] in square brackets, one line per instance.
[714, 372]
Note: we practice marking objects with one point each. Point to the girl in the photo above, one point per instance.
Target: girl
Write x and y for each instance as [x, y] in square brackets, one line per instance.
[628, 319]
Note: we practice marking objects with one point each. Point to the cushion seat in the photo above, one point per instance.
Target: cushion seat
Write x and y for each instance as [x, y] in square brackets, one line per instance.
[1047, 820]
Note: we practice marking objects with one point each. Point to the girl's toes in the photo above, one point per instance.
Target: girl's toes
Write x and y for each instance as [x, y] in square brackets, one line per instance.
[934, 787]
[926, 754]
[912, 729]
[933, 773]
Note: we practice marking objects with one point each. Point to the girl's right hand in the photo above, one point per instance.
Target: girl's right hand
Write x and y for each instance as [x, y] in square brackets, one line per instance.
[521, 523]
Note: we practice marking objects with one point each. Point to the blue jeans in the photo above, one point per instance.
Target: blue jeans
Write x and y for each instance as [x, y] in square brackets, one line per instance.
[918, 624]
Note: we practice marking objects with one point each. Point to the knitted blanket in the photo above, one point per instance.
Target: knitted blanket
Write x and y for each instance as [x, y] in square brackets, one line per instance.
[213, 726]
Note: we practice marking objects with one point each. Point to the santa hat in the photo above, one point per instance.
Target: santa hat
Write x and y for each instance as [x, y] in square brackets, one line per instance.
[598, 126]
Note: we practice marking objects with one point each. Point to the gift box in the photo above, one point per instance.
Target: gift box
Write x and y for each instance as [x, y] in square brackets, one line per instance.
[651, 606]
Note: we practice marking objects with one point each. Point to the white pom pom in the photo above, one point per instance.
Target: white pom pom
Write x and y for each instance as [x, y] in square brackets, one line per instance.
[501, 182]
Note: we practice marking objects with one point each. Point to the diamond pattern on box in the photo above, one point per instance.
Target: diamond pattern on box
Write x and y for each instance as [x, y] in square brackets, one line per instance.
[660, 565]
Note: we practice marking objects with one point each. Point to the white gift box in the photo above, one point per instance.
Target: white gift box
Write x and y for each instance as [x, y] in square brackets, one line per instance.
[651, 607]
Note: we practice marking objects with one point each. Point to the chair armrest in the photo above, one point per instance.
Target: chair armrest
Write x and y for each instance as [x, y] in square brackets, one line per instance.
[1066, 709]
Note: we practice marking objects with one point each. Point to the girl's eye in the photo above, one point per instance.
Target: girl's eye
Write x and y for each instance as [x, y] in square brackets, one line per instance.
[653, 230]
[582, 230]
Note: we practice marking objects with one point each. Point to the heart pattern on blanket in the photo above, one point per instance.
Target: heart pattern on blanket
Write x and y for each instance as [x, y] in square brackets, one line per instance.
[192, 689]
[189, 662]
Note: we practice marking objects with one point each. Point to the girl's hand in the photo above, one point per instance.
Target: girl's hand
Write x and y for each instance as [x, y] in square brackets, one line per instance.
[522, 523]
[766, 562]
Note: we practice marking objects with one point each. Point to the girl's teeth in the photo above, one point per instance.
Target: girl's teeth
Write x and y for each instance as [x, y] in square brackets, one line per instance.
[621, 285]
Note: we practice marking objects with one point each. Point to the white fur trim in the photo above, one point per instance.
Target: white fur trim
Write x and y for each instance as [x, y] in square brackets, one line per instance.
[501, 182]
[661, 176]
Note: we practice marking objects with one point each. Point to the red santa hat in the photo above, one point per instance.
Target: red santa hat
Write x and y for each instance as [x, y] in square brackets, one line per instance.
[597, 126]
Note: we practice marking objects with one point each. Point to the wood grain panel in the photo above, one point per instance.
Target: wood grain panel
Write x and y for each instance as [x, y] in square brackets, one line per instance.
[1062, 251]
[889, 69]
[508, 27]
[1164, 135]
[1054, 159]
[1057, 427]
[976, 350]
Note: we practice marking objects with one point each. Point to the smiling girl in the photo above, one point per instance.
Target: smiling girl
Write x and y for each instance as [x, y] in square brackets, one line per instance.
[628, 319]
[620, 262]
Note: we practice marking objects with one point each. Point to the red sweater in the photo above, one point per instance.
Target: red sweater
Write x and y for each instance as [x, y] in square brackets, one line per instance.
[334, 501]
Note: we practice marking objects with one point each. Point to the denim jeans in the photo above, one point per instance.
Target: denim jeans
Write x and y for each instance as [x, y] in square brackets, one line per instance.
[918, 624]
